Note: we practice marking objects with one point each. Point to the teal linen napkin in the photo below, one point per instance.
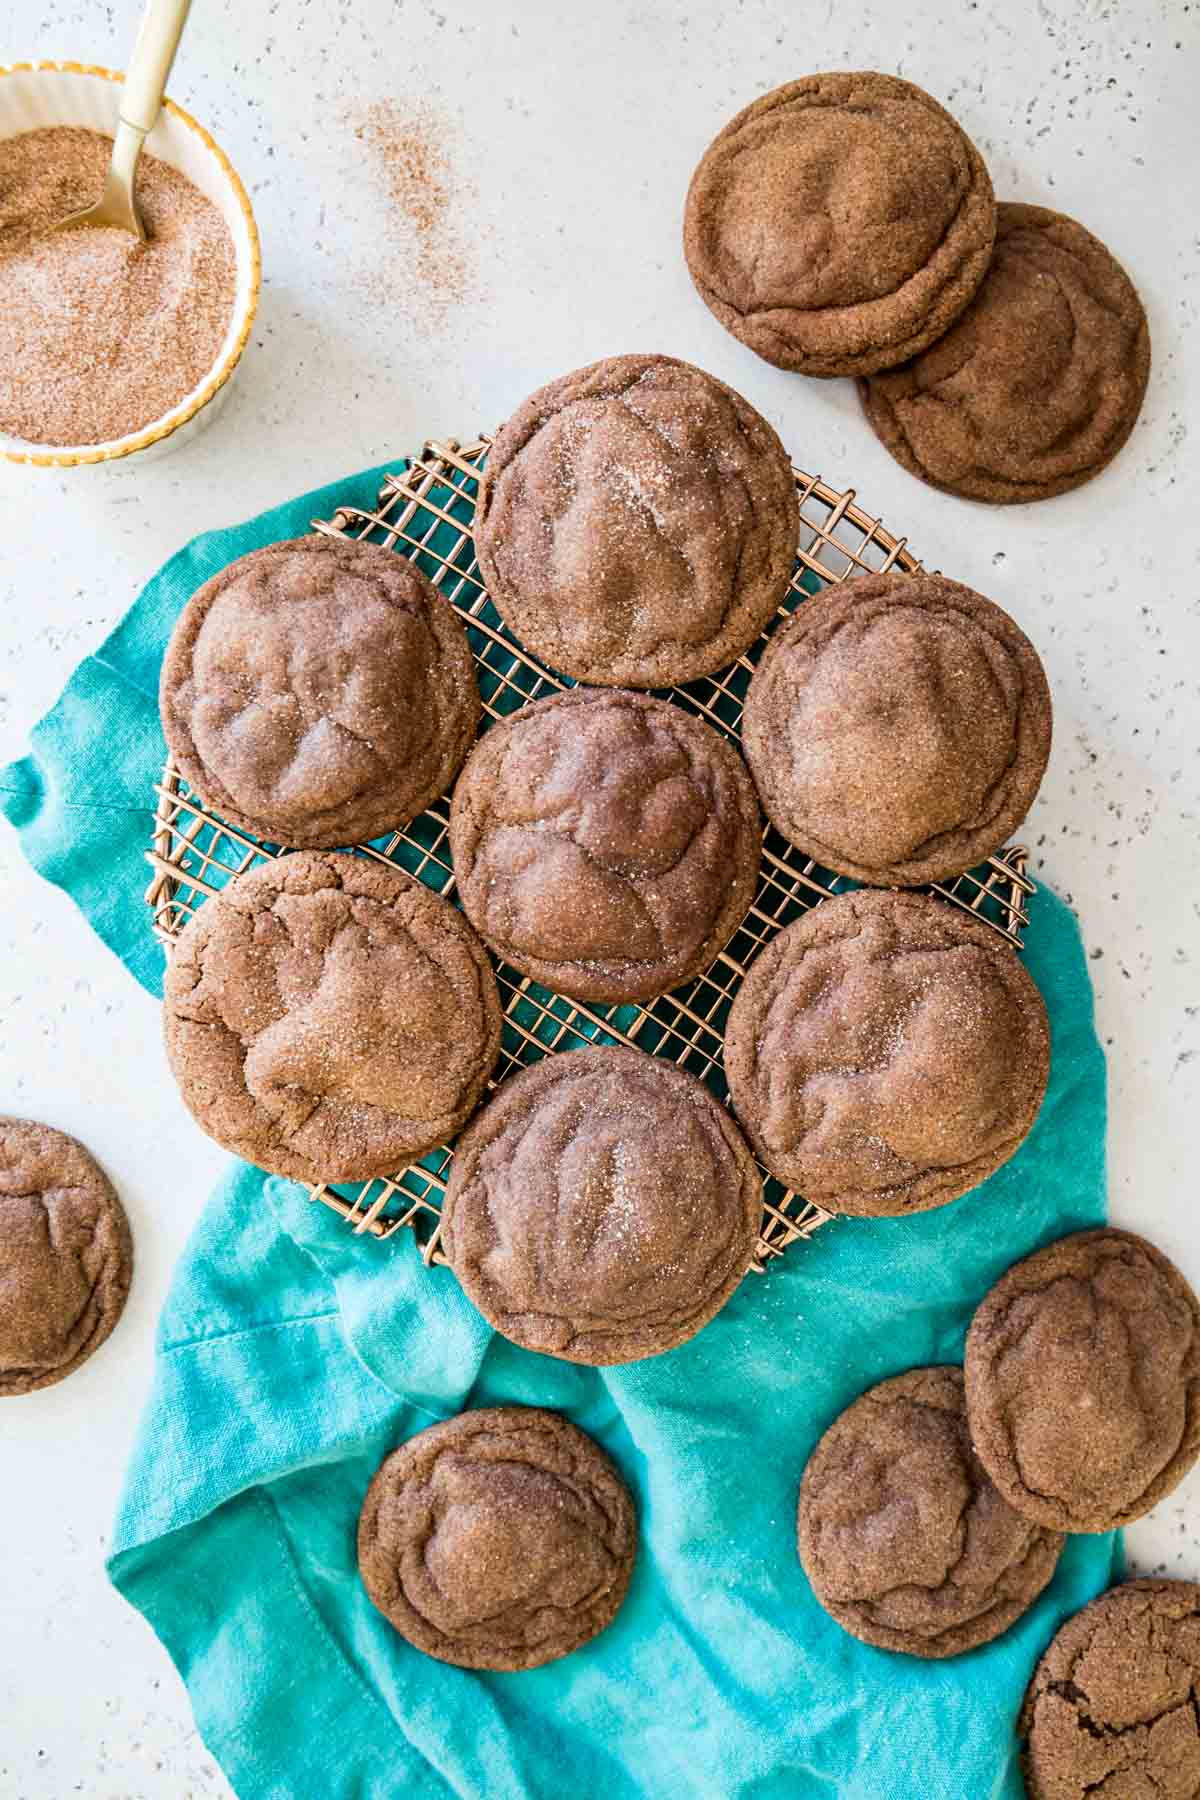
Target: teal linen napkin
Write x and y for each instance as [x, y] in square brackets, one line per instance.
[292, 1356]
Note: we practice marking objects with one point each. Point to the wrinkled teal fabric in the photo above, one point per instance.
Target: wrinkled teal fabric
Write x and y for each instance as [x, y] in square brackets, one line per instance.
[292, 1356]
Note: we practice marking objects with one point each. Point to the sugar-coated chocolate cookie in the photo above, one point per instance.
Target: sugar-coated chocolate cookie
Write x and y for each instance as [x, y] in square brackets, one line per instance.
[500, 1539]
[319, 692]
[1038, 384]
[605, 843]
[602, 1207]
[898, 728]
[906, 1541]
[1083, 1381]
[839, 224]
[637, 523]
[1112, 1708]
[66, 1255]
[886, 1053]
[330, 1019]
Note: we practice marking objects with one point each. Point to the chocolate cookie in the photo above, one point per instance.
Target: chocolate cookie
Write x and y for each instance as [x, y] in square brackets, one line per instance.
[886, 1053]
[602, 1207]
[1038, 384]
[330, 1019]
[637, 525]
[66, 1256]
[319, 692]
[605, 843]
[500, 1539]
[1112, 1708]
[839, 224]
[905, 1540]
[898, 728]
[1083, 1381]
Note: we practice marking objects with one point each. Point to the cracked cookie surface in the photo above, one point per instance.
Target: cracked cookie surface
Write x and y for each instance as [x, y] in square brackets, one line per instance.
[1037, 386]
[1083, 1381]
[637, 523]
[602, 1207]
[906, 1541]
[898, 728]
[319, 692]
[886, 1053]
[605, 843]
[1114, 1706]
[839, 224]
[500, 1539]
[330, 1019]
[66, 1255]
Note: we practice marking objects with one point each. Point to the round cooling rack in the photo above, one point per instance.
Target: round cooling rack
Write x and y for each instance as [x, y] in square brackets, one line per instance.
[426, 512]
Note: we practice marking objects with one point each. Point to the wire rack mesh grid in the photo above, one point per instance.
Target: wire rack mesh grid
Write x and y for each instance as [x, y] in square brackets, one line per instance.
[426, 511]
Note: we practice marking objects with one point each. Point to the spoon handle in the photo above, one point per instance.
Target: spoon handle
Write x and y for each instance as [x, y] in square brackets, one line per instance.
[150, 65]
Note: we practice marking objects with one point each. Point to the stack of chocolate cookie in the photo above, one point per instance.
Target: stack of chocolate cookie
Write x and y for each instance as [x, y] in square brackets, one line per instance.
[845, 225]
[934, 1509]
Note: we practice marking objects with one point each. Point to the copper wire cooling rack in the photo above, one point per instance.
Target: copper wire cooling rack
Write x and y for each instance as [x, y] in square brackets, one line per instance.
[426, 512]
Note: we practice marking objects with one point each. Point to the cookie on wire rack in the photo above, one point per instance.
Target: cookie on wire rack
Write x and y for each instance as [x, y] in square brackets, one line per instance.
[898, 728]
[637, 523]
[605, 843]
[886, 1053]
[603, 1207]
[330, 1019]
[319, 692]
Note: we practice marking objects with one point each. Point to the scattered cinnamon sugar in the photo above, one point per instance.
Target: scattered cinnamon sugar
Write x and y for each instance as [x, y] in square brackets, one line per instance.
[422, 224]
[100, 334]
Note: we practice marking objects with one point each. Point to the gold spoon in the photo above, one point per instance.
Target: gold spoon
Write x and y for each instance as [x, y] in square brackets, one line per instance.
[141, 98]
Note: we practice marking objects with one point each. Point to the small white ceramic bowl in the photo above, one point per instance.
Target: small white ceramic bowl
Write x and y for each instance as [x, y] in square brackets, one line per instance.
[35, 95]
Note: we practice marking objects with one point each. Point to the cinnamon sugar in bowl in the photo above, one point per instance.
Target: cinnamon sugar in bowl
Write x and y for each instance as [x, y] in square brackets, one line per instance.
[189, 294]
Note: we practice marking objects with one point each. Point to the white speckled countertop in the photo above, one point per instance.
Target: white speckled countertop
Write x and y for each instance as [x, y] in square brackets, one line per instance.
[572, 132]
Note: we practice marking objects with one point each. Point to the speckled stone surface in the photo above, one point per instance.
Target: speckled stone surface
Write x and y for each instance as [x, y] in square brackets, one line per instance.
[349, 365]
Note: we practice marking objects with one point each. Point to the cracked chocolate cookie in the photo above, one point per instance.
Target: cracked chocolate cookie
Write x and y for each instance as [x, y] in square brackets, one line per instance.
[1083, 1381]
[637, 524]
[602, 1207]
[500, 1539]
[898, 728]
[1113, 1707]
[839, 224]
[330, 1019]
[886, 1053]
[904, 1538]
[66, 1256]
[1037, 386]
[319, 692]
[605, 843]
